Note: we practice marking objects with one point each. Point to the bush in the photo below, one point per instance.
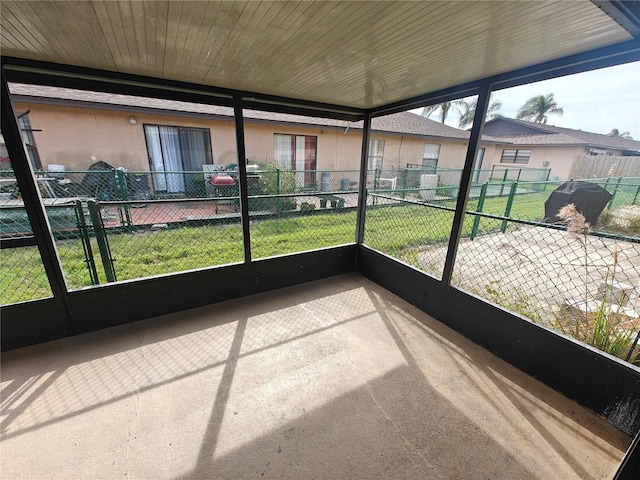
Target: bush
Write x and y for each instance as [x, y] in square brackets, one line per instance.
[278, 180]
[306, 207]
[634, 226]
[605, 219]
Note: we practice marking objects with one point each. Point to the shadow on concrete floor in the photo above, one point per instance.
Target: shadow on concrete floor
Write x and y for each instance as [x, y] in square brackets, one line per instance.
[332, 379]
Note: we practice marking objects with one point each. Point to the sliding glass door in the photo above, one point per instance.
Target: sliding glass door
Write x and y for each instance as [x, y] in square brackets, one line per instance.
[175, 151]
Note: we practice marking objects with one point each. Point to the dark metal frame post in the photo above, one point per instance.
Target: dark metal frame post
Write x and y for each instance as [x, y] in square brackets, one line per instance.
[86, 244]
[479, 207]
[465, 182]
[362, 190]
[507, 210]
[31, 198]
[242, 177]
[628, 468]
[102, 240]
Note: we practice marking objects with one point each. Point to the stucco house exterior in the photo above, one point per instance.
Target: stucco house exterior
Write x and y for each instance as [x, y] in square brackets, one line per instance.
[545, 146]
[75, 128]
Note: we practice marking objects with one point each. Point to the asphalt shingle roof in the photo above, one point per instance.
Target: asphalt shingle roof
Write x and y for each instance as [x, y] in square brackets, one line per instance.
[404, 122]
[407, 122]
[399, 123]
[544, 139]
[552, 135]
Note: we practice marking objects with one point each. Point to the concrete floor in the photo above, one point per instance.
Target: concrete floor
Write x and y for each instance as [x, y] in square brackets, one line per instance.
[336, 379]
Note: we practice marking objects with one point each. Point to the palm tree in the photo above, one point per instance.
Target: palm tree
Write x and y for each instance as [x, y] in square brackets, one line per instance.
[537, 108]
[469, 111]
[616, 133]
[444, 108]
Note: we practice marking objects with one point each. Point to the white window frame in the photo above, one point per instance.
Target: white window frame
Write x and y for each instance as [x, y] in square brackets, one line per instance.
[521, 156]
[431, 152]
[376, 154]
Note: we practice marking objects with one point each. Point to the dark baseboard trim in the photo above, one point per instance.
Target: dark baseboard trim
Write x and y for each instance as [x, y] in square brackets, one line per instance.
[603, 384]
[114, 304]
[27, 323]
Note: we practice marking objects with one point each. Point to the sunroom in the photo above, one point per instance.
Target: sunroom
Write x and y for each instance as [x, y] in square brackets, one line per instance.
[420, 321]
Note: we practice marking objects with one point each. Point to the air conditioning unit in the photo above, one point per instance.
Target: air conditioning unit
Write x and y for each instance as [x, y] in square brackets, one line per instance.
[545, 163]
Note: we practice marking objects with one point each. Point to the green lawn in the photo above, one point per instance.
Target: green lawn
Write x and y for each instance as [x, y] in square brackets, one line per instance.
[396, 230]
[147, 253]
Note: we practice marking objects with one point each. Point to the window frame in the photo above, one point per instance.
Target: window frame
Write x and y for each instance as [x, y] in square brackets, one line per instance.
[517, 156]
[26, 132]
[376, 161]
[158, 175]
[306, 177]
[436, 158]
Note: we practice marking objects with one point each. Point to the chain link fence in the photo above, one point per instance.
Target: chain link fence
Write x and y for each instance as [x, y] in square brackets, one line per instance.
[167, 236]
[116, 229]
[584, 285]
[118, 184]
[110, 228]
[22, 275]
[526, 201]
[302, 210]
[406, 230]
[449, 177]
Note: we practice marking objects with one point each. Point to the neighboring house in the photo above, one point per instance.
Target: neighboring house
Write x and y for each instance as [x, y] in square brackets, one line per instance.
[538, 145]
[75, 128]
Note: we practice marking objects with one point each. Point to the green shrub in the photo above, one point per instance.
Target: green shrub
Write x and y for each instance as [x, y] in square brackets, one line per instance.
[306, 207]
[277, 179]
[634, 226]
[605, 219]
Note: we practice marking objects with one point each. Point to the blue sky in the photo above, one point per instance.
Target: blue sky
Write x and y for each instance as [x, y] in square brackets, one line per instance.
[595, 101]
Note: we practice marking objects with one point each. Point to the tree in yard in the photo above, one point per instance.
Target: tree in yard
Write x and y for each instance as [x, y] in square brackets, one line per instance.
[469, 111]
[616, 133]
[466, 109]
[537, 108]
[444, 108]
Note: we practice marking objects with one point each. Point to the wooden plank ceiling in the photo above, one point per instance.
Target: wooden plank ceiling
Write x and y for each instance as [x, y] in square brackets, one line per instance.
[356, 54]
